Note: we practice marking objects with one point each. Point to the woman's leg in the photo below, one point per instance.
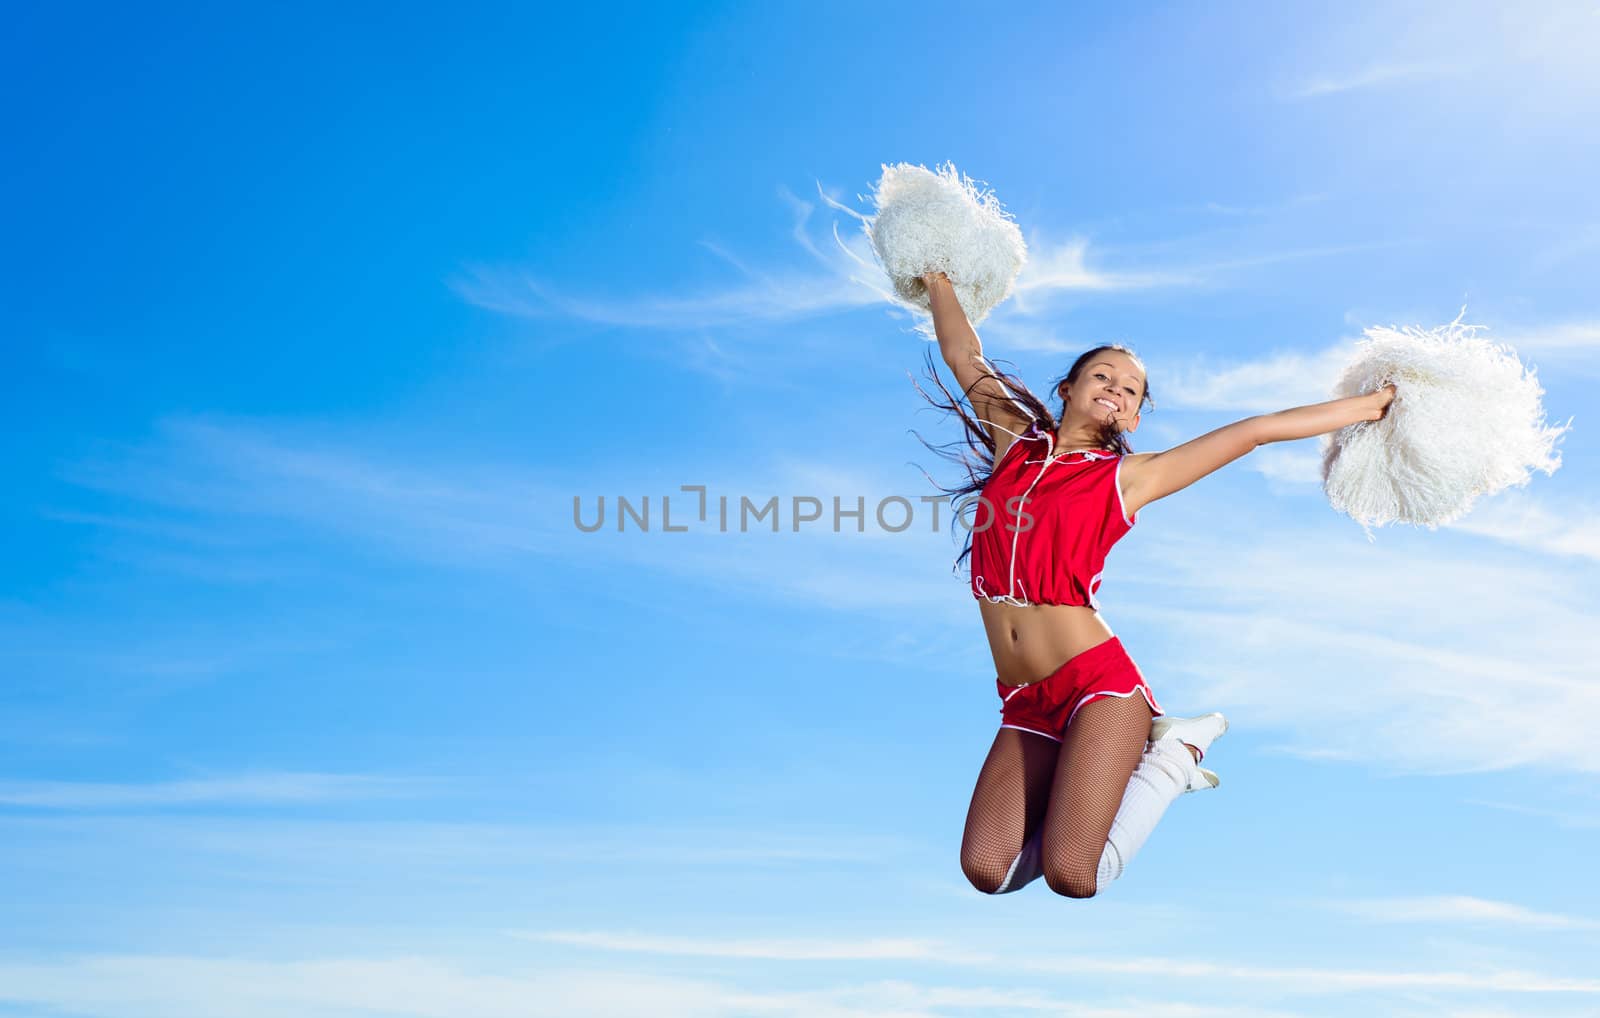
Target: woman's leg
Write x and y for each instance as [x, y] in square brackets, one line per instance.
[1102, 749]
[1007, 808]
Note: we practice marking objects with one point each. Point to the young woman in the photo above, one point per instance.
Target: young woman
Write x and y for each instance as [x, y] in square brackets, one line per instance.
[1085, 761]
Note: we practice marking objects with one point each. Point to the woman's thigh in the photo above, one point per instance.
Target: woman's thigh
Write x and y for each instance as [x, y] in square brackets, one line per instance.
[1008, 804]
[1101, 748]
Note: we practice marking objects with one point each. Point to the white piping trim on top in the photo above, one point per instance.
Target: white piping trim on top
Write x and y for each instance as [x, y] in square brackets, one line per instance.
[1007, 598]
[1155, 708]
[1117, 480]
[1093, 454]
[1011, 578]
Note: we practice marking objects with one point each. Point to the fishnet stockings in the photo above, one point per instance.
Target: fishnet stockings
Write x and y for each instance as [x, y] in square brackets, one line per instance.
[1007, 806]
[1069, 794]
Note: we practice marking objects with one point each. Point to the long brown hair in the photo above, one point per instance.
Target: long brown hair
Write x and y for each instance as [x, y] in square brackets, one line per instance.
[979, 465]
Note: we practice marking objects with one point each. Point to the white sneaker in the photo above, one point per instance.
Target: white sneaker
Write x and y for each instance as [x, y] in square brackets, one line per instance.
[1199, 732]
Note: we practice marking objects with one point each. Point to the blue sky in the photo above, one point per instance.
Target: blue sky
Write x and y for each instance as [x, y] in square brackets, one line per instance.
[316, 702]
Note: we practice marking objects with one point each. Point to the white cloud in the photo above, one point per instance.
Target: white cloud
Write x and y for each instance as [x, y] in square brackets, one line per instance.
[1568, 347]
[1459, 909]
[1308, 979]
[1064, 266]
[1518, 518]
[247, 789]
[414, 987]
[499, 982]
[1442, 621]
[319, 847]
[1427, 644]
[1268, 209]
[245, 471]
[793, 949]
[1563, 818]
[1557, 336]
[842, 277]
[1368, 77]
[503, 518]
[1289, 464]
[1282, 379]
[784, 295]
[145, 986]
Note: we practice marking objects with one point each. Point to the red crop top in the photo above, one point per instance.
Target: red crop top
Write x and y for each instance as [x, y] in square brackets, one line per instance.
[1050, 522]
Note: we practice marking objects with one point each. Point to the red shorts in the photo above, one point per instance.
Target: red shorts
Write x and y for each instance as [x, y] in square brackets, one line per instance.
[1046, 707]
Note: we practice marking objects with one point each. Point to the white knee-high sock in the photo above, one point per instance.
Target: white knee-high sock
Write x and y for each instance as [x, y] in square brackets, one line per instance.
[1162, 774]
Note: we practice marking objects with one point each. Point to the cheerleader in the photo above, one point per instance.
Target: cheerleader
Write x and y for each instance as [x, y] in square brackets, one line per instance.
[1085, 761]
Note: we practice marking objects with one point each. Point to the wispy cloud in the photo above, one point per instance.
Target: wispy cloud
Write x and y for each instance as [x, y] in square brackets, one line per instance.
[1267, 209]
[245, 471]
[1459, 909]
[1441, 690]
[1287, 464]
[1291, 596]
[841, 274]
[781, 295]
[144, 986]
[1583, 336]
[789, 949]
[321, 848]
[1563, 818]
[1310, 979]
[1572, 346]
[840, 277]
[1521, 519]
[1281, 379]
[502, 517]
[1369, 77]
[421, 986]
[248, 789]
[1058, 267]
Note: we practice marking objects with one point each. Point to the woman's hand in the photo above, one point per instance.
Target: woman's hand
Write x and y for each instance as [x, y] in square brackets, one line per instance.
[933, 278]
[1380, 401]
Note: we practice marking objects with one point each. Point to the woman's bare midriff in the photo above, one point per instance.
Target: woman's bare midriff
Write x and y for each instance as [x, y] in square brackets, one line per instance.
[1029, 643]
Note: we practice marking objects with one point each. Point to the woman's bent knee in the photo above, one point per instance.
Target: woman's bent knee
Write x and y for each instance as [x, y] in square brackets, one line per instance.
[1071, 883]
[983, 875]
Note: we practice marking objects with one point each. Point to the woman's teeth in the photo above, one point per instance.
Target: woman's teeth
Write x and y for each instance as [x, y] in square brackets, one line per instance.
[1106, 402]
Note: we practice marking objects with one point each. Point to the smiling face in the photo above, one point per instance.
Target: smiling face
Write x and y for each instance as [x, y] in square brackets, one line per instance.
[1109, 388]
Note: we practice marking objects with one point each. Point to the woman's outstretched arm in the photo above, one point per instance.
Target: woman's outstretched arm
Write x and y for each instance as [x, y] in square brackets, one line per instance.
[1152, 475]
[1321, 418]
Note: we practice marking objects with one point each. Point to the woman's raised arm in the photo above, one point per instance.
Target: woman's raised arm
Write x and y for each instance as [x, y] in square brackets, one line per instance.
[1152, 475]
[963, 354]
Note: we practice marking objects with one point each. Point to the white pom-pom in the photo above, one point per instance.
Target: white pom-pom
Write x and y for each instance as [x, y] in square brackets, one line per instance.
[939, 221]
[1466, 420]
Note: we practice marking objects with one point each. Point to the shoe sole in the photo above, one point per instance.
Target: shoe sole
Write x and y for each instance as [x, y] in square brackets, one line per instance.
[1162, 726]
